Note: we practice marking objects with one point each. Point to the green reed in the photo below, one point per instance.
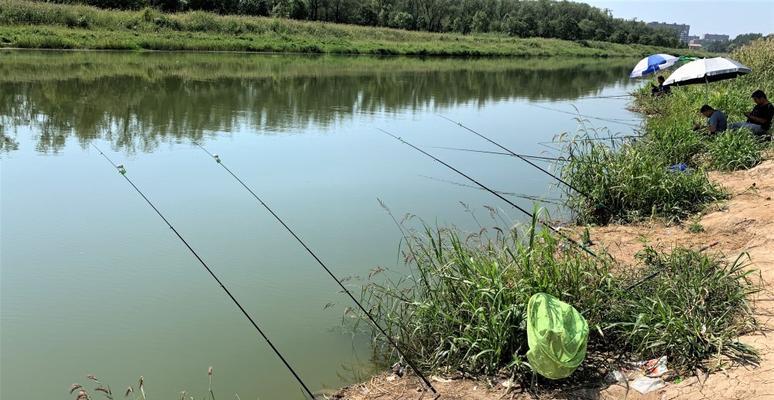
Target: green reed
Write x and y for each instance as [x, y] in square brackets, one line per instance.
[461, 304]
[630, 183]
[733, 150]
[692, 311]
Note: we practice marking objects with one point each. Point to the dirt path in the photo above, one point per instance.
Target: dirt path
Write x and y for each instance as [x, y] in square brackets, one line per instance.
[745, 223]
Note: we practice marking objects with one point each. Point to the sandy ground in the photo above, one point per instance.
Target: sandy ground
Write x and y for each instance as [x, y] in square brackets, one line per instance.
[745, 223]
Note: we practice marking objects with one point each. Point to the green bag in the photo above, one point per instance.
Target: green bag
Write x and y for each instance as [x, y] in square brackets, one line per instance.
[557, 335]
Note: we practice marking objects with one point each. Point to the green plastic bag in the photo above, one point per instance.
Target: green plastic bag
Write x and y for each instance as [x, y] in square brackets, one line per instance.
[557, 335]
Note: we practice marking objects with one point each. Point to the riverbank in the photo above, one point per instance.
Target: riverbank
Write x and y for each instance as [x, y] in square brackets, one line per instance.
[636, 207]
[743, 224]
[25, 24]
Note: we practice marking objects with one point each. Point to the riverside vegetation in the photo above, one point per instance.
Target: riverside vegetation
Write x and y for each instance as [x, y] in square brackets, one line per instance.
[633, 181]
[28, 24]
[547, 19]
[461, 306]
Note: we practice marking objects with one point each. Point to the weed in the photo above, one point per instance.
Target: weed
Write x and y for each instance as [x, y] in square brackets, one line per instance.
[695, 227]
[462, 304]
[733, 150]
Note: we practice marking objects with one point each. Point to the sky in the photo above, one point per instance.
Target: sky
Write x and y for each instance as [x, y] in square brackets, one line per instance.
[723, 17]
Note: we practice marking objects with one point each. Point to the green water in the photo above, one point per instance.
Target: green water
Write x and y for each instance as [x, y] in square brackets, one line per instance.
[92, 281]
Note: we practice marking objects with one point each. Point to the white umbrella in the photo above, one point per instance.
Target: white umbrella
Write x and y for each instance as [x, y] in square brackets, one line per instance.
[707, 70]
[653, 63]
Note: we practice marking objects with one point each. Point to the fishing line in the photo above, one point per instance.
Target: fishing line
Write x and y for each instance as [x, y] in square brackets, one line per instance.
[596, 139]
[621, 121]
[500, 153]
[519, 195]
[122, 171]
[587, 196]
[325, 267]
[501, 197]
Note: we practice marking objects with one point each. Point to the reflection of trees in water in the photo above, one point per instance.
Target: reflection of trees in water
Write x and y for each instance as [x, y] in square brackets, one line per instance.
[7, 143]
[136, 108]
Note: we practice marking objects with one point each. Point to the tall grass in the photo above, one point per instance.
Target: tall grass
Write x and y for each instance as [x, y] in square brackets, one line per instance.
[631, 183]
[461, 305]
[25, 23]
[733, 150]
[692, 311]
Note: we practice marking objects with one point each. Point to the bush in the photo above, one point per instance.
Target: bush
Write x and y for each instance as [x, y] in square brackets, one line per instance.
[462, 304]
[693, 310]
[733, 150]
[631, 183]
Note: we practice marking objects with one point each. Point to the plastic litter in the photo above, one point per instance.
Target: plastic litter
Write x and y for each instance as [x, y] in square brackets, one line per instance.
[557, 335]
[647, 376]
[646, 385]
[681, 167]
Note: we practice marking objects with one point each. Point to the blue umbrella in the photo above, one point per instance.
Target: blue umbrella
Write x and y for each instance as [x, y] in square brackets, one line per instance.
[651, 64]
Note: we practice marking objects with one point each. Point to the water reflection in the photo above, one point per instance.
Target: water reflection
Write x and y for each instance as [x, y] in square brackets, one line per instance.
[138, 100]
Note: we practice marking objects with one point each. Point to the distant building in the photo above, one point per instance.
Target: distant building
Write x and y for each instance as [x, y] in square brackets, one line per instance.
[694, 45]
[681, 29]
[711, 37]
[693, 38]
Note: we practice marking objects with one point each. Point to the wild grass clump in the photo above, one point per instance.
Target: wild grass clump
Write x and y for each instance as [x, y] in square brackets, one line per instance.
[631, 183]
[461, 306]
[733, 150]
[691, 311]
[97, 389]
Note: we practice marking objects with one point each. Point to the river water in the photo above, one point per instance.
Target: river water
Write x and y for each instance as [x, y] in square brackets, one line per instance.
[92, 281]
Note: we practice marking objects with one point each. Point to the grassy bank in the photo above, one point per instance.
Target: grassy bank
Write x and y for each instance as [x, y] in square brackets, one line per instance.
[461, 307]
[28, 24]
[634, 180]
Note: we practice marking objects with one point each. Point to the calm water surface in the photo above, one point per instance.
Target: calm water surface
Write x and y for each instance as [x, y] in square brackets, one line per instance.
[93, 282]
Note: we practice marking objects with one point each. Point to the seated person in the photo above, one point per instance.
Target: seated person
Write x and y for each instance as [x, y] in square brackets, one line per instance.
[660, 90]
[759, 119]
[716, 119]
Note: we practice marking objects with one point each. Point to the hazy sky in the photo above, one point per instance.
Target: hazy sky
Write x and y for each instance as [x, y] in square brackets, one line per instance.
[725, 17]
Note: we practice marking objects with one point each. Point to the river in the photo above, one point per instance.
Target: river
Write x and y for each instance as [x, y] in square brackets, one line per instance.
[92, 281]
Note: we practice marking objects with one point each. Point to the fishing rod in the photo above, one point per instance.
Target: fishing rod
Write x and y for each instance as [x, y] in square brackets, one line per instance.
[325, 267]
[586, 195]
[498, 195]
[501, 153]
[122, 171]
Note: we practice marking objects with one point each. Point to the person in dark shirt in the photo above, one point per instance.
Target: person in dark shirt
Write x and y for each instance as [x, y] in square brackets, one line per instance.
[660, 90]
[759, 119]
[716, 120]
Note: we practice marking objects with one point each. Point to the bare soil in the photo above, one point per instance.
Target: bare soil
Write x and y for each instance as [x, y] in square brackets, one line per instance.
[743, 224]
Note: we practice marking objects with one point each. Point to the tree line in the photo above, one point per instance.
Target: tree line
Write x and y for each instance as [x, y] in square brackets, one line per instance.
[517, 18]
[731, 45]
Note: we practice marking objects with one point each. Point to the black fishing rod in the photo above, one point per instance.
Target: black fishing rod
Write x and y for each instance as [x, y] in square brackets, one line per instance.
[501, 153]
[586, 195]
[122, 171]
[494, 192]
[325, 267]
